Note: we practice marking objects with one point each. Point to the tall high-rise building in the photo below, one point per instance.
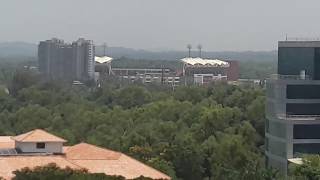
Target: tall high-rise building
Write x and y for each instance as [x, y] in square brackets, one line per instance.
[293, 104]
[83, 58]
[59, 60]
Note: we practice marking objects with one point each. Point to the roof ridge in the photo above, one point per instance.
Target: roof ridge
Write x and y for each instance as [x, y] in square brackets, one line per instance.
[143, 164]
[101, 148]
[71, 149]
[51, 134]
[27, 134]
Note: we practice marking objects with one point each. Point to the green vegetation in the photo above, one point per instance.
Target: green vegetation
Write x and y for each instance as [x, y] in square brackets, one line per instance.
[309, 170]
[52, 172]
[8, 66]
[257, 69]
[191, 133]
[214, 132]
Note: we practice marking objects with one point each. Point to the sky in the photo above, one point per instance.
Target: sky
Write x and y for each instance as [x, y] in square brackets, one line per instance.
[218, 25]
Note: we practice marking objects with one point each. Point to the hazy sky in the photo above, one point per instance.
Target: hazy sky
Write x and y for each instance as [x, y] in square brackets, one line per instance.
[162, 24]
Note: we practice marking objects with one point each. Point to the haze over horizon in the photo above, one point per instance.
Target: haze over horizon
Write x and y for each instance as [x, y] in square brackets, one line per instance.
[230, 25]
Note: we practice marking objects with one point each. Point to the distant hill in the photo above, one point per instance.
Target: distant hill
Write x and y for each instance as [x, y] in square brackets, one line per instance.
[118, 52]
[8, 49]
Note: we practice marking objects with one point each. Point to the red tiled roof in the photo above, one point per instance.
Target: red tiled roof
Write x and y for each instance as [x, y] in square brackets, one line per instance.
[8, 164]
[100, 160]
[83, 155]
[6, 142]
[84, 151]
[38, 135]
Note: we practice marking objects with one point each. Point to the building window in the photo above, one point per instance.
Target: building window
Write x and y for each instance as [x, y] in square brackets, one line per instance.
[299, 149]
[303, 91]
[306, 131]
[303, 108]
[41, 145]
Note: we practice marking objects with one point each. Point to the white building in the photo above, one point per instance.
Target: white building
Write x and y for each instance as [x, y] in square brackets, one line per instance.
[38, 141]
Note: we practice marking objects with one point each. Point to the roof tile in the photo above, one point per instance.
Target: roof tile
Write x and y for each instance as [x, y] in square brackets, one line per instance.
[100, 160]
[9, 164]
[86, 151]
[38, 135]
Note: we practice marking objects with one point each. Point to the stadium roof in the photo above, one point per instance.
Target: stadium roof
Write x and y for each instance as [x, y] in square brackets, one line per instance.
[104, 59]
[205, 62]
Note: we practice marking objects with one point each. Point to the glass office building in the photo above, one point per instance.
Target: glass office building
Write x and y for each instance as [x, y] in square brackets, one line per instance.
[293, 104]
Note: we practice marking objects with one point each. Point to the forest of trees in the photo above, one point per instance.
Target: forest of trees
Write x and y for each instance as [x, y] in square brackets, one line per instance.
[191, 133]
[212, 132]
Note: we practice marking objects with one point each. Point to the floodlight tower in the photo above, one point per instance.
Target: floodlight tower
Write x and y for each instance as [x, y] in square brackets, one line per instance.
[189, 48]
[200, 48]
[105, 49]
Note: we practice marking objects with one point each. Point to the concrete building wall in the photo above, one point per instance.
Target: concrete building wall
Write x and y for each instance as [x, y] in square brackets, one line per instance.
[233, 71]
[31, 147]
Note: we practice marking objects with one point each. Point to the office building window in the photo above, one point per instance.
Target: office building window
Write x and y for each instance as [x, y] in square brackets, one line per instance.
[303, 108]
[306, 131]
[303, 91]
[312, 148]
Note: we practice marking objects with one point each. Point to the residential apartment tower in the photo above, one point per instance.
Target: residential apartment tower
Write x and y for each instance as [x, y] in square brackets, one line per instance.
[60, 60]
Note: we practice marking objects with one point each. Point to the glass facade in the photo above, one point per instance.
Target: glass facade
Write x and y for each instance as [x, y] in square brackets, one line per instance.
[303, 91]
[310, 148]
[306, 131]
[291, 60]
[303, 108]
[317, 64]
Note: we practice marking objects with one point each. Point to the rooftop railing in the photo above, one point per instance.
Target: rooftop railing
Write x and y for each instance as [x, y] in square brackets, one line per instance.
[299, 117]
[302, 38]
[290, 77]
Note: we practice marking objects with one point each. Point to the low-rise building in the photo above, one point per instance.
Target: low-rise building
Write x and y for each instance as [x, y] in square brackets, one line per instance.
[39, 148]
